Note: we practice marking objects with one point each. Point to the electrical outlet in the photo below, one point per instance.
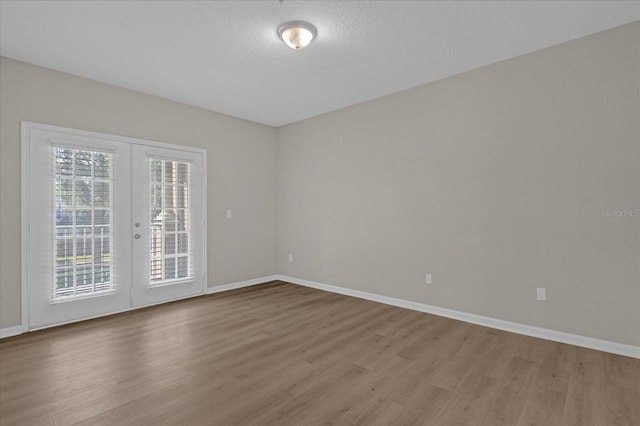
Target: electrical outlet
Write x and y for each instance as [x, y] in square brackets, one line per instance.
[542, 294]
[290, 257]
[229, 214]
[428, 278]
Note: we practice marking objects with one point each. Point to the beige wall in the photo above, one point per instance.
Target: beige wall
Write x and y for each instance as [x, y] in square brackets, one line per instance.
[241, 165]
[493, 180]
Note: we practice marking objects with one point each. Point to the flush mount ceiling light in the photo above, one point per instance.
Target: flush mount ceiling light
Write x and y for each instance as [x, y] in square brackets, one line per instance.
[297, 34]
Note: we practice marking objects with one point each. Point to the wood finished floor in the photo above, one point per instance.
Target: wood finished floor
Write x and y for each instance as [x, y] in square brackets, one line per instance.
[283, 354]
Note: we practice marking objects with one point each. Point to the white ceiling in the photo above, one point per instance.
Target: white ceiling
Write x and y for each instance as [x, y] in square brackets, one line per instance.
[225, 55]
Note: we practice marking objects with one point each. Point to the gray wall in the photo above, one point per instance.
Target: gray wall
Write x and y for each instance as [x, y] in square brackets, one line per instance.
[493, 180]
[241, 166]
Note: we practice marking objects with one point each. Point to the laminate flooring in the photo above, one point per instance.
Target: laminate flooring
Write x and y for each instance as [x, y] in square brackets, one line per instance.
[279, 353]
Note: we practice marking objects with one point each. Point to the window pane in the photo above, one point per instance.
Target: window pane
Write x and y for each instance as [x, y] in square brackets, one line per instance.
[64, 193]
[84, 217]
[84, 279]
[101, 195]
[170, 223]
[64, 252]
[183, 174]
[155, 171]
[84, 251]
[64, 161]
[84, 193]
[102, 164]
[64, 219]
[170, 268]
[170, 244]
[83, 163]
[64, 281]
[181, 220]
[156, 270]
[101, 217]
[183, 242]
[183, 267]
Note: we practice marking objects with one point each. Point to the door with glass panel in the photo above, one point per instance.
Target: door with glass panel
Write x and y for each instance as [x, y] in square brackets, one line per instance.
[168, 222]
[112, 224]
[78, 222]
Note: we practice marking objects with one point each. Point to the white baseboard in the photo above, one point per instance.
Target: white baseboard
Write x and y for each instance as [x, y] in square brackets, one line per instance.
[241, 284]
[11, 331]
[528, 330]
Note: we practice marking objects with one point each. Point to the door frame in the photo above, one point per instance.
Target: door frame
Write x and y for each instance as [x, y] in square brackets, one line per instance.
[25, 129]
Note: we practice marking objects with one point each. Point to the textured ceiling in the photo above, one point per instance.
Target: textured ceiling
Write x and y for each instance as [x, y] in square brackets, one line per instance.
[225, 55]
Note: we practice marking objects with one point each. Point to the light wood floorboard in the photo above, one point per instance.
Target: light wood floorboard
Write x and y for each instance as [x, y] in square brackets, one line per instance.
[278, 353]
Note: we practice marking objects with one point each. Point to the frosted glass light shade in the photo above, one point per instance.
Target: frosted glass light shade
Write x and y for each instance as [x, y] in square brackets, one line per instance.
[297, 34]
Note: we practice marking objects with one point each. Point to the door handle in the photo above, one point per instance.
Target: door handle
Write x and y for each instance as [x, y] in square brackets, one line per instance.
[137, 236]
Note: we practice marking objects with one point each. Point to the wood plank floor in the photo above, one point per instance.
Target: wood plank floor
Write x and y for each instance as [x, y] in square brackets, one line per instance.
[283, 354]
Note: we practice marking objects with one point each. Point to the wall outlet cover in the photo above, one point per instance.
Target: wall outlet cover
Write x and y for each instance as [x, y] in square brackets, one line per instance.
[541, 293]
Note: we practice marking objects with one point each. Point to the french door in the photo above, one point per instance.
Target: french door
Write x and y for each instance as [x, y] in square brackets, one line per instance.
[168, 225]
[112, 224]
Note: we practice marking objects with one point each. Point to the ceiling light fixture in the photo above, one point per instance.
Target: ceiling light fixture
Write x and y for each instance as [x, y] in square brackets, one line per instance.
[297, 34]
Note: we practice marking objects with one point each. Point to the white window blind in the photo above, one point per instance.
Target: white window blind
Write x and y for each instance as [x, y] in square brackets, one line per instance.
[82, 245]
[170, 238]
